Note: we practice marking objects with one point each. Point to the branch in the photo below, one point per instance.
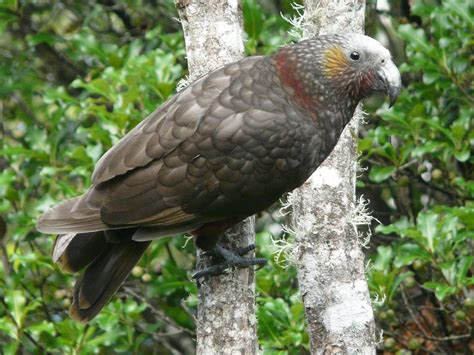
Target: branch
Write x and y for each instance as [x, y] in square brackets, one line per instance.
[424, 332]
[159, 314]
[331, 268]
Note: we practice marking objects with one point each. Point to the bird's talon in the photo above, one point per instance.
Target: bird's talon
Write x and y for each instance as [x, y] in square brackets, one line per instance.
[214, 270]
[245, 250]
[261, 265]
[228, 259]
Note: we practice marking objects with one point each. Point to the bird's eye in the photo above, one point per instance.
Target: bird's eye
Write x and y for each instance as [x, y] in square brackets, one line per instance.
[355, 55]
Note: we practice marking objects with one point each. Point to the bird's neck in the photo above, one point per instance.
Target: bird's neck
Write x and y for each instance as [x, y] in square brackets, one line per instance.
[296, 79]
[334, 120]
[306, 84]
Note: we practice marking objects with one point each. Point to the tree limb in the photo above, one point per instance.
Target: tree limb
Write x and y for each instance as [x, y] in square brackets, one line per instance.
[331, 268]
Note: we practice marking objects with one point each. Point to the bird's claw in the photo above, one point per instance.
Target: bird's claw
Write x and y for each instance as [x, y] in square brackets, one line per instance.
[228, 259]
[241, 251]
[245, 250]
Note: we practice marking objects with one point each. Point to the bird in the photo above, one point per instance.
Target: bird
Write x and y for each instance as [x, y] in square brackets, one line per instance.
[224, 148]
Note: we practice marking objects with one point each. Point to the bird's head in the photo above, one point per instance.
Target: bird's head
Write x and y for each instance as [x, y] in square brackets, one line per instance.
[342, 69]
[359, 65]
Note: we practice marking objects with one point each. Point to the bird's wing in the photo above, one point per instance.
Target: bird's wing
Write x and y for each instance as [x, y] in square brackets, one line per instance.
[227, 146]
[168, 126]
[139, 154]
[245, 152]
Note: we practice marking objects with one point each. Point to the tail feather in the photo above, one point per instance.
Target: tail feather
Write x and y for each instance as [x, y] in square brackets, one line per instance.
[71, 216]
[107, 256]
[80, 250]
[103, 277]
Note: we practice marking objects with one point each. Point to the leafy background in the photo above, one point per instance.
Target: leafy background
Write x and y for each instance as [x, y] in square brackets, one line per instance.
[76, 76]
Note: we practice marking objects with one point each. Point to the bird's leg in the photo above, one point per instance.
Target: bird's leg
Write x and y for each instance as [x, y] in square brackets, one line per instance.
[224, 259]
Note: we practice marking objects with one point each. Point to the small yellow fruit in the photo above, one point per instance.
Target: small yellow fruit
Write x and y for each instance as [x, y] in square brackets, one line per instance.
[66, 302]
[460, 315]
[436, 174]
[469, 302]
[390, 314]
[58, 294]
[137, 271]
[409, 282]
[146, 278]
[418, 264]
[389, 344]
[414, 344]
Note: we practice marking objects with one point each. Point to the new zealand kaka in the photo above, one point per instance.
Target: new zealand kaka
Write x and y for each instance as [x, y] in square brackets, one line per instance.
[224, 148]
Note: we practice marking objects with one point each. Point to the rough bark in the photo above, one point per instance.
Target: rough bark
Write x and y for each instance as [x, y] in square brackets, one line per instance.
[226, 322]
[331, 262]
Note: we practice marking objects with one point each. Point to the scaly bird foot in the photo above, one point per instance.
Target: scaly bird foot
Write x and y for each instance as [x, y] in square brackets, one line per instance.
[226, 259]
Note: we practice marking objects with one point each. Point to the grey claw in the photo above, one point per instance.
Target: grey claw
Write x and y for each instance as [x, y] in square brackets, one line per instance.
[245, 250]
[229, 259]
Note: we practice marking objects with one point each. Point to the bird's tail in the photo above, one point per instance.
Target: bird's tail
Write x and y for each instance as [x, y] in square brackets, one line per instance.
[107, 256]
[80, 214]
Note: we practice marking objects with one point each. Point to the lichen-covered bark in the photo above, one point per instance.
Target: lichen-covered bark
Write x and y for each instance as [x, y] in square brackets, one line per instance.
[331, 263]
[226, 309]
[213, 33]
[226, 321]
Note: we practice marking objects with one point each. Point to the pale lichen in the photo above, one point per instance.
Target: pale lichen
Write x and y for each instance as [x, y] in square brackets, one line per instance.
[378, 301]
[361, 216]
[379, 339]
[183, 84]
[298, 25]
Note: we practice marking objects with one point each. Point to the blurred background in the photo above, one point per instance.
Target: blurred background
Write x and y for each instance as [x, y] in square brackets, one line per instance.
[75, 76]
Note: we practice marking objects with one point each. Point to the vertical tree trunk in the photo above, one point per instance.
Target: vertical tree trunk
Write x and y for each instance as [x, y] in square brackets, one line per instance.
[331, 269]
[226, 322]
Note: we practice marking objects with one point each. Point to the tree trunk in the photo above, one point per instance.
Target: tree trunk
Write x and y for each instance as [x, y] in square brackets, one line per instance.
[226, 322]
[331, 268]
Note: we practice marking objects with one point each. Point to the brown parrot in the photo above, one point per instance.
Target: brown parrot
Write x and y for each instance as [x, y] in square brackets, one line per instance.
[224, 148]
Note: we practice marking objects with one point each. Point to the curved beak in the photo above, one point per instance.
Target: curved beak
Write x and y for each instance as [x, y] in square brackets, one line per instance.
[390, 81]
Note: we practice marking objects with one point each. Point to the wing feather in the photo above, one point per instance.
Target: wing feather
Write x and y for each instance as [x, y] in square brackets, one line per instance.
[165, 128]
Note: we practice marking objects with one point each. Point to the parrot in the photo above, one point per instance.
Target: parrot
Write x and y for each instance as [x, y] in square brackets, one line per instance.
[226, 147]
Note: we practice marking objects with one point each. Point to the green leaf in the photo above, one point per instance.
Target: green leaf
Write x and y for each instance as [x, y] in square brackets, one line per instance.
[41, 37]
[384, 258]
[398, 280]
[427, 225]
[381, 173]
[5, 20]
[7, 327]
[398, 227]
[43, 327]
[16, 302]
[462, 270]
[441, 290]
[430, 77]
[407, 253]
[415, 37]
[463, 155]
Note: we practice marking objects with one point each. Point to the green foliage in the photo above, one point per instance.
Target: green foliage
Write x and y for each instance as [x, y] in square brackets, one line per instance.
[420, 160]
[265, 33]
[280, 313]
[76, 76]
[75, 80]
[75, 87]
